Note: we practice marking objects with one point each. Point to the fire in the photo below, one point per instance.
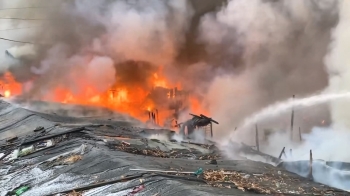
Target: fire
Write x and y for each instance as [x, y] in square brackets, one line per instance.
[158, 97]
[7, 93]
[159, 82]
[9, 86]
[196, 106]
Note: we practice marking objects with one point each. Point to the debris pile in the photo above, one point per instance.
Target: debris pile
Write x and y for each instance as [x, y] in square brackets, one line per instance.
[73, 193]
[267, 183]
[212, 156]
[148, 152]
[33, 143]
[157, 152]
[96, 157]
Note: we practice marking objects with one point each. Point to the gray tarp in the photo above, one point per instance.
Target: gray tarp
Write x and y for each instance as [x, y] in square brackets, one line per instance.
[97, 144]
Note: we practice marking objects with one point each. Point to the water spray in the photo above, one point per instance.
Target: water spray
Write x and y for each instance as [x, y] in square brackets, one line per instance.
[281, 107]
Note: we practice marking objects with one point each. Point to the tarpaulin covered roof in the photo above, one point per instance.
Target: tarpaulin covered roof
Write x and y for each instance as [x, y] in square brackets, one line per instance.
[63, 155]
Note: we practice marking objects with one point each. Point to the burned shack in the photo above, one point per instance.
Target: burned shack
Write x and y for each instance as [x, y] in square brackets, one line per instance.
[197, 122]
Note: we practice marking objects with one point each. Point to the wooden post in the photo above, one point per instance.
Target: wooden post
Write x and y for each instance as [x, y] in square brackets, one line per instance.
[257, 137]
[310, 166]
[211, 129]
[300, 134]
[282, 152]
[292, 122]
[157, 117]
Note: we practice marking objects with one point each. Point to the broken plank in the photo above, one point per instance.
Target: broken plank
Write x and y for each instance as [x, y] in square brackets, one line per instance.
[91, 186]
[53, 135]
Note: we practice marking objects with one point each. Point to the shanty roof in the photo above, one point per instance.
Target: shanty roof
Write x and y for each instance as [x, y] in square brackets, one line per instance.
[57, 155]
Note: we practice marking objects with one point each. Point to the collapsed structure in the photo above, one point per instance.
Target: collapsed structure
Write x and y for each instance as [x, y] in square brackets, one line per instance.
[50, 154]
[197, 122]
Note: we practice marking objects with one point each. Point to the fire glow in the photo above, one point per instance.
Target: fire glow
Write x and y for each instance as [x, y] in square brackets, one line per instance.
[9, 86]
[125, 98]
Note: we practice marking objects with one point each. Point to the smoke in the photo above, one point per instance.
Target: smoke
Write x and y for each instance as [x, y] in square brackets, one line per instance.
[87, 44]
[328, 144]
[256, 52]
[59, 70]
[338, 62]
[328, 151]
[278, 48]
[24, 51]
[199, 136]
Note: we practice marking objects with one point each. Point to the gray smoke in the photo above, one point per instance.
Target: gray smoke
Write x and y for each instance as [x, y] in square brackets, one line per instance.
[328, 144]
[83, 37]
[338, 67]
[280, 47]
[235, 56]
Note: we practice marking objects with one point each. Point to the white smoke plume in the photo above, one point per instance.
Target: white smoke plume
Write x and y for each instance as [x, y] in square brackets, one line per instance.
[84, 41]
[338, 64]
[328, 144]
[278, 49]
[23, 51]
[257, 52]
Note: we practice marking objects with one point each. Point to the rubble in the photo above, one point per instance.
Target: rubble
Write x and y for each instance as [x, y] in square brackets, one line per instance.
[99, 158]
[174, 152]
[11, 139]
[73, 193]
[136, 190]
[72, 159]
[262, 183]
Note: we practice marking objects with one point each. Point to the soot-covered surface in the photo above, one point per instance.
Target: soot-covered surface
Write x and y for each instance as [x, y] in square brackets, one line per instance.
[94, 157]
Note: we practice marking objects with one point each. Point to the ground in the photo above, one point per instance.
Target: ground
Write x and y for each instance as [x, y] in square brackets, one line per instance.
[96, 156]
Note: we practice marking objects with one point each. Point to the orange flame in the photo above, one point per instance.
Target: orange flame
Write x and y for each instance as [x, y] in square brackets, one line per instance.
[132, 99]
[10, 87]
[196, 106]
[7, 93]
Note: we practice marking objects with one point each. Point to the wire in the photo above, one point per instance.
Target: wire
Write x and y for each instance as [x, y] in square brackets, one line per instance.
[18, 8]
[19, 28]
[22, 19]
[23, 42]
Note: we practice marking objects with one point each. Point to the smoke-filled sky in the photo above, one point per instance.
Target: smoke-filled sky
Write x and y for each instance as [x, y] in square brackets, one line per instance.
[282, 46]
[236, 56]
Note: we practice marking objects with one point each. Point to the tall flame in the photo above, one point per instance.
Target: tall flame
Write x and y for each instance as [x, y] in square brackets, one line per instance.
[131, 99]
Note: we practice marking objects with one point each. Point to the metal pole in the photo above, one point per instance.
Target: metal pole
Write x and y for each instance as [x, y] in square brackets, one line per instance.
[282, 152]
[257, 137]
[300, 134]
[310, 166]
[292, 122]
